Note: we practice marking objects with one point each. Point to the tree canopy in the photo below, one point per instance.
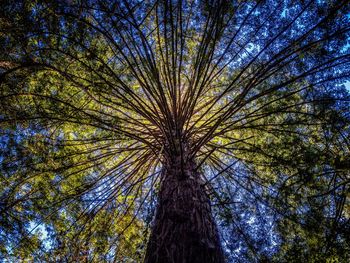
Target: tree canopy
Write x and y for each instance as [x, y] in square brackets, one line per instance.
[97, 96]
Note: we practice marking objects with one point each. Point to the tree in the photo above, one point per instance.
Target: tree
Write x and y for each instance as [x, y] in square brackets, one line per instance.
[109, 105]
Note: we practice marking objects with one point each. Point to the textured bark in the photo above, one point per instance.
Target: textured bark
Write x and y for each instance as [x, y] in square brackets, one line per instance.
[184, 230]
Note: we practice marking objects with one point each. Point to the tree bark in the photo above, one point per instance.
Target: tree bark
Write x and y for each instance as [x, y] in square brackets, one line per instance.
[184, 229]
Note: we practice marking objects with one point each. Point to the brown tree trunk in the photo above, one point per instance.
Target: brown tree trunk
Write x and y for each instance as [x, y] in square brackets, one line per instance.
[184, 230]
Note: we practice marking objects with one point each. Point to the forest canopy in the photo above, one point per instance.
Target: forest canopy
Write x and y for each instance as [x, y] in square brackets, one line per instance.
[147, 131]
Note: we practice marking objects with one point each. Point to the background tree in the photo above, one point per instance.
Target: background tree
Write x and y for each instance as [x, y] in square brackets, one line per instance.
[231, 110]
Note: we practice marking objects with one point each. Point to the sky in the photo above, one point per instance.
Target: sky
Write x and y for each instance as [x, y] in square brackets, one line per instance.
[347, 85]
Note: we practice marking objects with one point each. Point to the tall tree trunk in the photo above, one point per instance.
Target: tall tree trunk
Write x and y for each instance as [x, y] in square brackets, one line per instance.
[184, 230]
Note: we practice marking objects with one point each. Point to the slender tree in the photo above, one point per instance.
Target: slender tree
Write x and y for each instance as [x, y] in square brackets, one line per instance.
[107, 106]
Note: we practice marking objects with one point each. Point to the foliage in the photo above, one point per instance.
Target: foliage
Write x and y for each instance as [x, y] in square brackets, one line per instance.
[94, 95]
